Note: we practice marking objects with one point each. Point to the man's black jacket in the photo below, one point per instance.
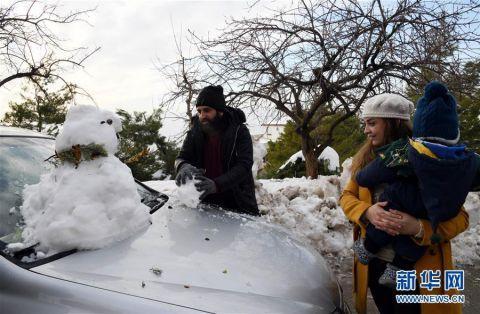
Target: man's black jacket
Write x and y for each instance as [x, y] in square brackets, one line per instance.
[236, 185]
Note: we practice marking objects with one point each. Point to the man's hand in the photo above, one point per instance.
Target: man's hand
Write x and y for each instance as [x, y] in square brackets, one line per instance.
[205, 185]
[187, 171]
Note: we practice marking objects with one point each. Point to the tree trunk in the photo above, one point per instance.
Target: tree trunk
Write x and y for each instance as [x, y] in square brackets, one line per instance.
[311, 163]
[40, 123]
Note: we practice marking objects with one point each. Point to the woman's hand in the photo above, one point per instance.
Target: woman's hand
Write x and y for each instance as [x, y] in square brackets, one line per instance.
[390, 222]
[409, 224]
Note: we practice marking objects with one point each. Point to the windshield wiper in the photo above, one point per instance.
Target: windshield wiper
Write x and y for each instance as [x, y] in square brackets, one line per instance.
[17, 257]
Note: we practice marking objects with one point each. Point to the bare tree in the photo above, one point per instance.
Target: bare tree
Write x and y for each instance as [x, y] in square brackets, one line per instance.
[320, 60]
[29, 49]
[187, 81]
[187, 75]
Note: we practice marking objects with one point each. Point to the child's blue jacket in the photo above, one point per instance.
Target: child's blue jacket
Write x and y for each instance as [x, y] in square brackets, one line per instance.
[445, 174]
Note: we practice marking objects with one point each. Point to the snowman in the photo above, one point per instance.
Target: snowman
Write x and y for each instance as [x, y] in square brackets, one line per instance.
[90, 199]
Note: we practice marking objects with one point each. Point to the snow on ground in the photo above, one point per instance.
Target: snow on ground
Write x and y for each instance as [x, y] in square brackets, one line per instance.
[259, 151]
[466, 246]
[310, 209]
[346, 173]
[89, 206]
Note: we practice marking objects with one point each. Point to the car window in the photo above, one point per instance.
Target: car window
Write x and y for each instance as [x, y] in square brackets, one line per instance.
[22, 161]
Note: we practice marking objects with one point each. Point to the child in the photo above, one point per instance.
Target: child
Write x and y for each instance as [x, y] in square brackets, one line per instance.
[428, 178]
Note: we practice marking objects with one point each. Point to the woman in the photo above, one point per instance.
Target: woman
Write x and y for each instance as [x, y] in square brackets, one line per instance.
[387, 118]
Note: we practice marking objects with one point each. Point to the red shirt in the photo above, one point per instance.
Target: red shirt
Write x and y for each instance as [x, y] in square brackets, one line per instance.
[212, 157]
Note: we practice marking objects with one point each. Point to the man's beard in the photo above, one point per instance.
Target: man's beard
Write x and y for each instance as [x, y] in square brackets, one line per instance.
[214, 126]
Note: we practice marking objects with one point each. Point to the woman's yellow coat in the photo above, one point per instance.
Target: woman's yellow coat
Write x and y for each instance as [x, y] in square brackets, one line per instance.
[355, 200]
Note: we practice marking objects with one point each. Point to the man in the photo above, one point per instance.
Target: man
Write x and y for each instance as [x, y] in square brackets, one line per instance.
[218, 152]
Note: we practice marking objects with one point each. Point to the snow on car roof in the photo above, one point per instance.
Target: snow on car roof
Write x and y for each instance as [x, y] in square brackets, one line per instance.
[12, 131]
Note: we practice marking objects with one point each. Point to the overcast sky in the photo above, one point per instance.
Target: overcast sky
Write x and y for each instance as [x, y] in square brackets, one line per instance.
[134, 36]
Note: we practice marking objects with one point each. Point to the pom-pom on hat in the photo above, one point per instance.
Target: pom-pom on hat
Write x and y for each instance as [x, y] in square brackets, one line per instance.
[212, 96]
[436, 115]
[387, 106]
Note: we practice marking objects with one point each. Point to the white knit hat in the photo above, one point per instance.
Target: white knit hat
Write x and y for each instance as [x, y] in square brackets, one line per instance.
[387, 106]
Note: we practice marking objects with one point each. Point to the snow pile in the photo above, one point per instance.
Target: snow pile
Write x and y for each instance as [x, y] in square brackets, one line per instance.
[188, 195]
[259, 151]
[328, 154]
[310, 209]
[346, 172]
[466, 246]
[89, 206]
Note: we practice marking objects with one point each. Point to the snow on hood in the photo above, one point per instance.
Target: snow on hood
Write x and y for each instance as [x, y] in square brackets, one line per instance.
[310, 209]
[207, 259]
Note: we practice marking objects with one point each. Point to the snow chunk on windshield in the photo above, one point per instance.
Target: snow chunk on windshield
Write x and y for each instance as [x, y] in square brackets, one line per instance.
[87, 206]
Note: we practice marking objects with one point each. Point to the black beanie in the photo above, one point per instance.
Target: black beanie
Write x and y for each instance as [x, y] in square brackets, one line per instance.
[212, 96]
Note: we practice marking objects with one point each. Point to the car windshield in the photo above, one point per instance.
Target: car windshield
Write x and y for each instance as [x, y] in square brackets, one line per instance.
[22, 162]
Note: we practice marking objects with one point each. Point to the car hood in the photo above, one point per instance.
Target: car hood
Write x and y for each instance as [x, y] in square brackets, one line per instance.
[211, 260]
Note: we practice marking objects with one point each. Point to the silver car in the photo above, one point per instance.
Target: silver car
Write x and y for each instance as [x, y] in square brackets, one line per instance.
[202, 260]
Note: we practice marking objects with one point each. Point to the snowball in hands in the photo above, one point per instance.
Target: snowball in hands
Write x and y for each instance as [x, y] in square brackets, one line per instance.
[90, 206]
[188, 195]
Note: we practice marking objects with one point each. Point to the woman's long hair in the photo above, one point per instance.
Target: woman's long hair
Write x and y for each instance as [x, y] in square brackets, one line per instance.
[394, 130]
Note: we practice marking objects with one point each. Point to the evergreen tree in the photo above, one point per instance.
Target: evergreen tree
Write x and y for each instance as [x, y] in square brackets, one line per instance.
[469, 105]
[142, 148]
[279, 151]
[294, 169]
[347, 138]
[469, 116]
[43, 111]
